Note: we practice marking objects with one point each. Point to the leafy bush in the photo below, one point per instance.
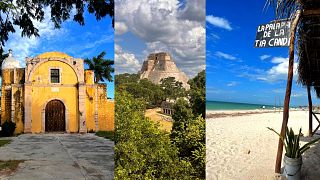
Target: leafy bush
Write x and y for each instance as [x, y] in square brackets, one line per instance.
[142, 151]
[188, 135]
[8, 129]
[197, 94]
[143, 89]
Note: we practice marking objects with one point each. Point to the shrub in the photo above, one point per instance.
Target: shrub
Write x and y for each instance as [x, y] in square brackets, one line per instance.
[142, 150]
[291, 143]
[8, 128]
[188, 135]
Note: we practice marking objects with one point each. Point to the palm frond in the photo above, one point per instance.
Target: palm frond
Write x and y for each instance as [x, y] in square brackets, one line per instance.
[283, 8]
[102, 67]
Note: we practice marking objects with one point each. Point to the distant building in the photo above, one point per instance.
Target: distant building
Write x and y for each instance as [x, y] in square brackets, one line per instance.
[167, 108]
[54, 93]
[159, 66]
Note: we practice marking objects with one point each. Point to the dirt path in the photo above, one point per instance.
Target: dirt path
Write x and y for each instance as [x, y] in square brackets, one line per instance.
[164, 120]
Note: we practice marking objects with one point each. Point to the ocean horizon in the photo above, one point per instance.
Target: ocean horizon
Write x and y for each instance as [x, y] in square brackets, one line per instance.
[222, 105]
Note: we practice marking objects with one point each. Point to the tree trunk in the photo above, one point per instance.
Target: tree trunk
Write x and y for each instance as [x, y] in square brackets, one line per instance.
[288, 91]
[310, 111]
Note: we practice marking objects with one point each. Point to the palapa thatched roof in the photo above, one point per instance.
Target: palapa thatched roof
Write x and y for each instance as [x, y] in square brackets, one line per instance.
[308, 45]
[308, 37]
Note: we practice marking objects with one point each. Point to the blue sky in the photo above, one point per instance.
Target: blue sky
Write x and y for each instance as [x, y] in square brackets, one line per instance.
[143, 27]
[238, 72]
[75, 40]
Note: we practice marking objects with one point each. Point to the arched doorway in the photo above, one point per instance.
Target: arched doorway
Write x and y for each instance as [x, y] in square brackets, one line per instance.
[55, 116]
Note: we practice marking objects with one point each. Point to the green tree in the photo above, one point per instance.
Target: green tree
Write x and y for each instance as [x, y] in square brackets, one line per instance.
[151, 93]
[197, 94]
[188, 135]
[172, 89]
[121, 79]
[23, 13]
[142, 151]
[102, 67]
[2, 57]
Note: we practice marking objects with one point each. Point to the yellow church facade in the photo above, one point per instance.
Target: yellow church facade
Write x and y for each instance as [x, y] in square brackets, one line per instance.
[54, 93]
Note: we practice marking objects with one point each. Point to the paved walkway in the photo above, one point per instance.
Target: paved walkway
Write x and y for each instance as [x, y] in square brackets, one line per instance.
[60, 156]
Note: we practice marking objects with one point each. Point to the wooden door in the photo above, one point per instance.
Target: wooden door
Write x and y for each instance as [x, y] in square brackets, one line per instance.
[55, 116]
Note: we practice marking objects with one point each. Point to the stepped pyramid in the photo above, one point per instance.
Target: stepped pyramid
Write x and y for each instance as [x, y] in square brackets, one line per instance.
[159, 66]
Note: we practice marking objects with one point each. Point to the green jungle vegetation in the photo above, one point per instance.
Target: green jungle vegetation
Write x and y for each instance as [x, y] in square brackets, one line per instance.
[142, 150]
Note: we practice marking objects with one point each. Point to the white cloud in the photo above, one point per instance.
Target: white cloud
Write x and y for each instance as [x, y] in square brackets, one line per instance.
[264, 57]
[163, 26]
[194, 10]
[23, 46]
[120, 28]
[276, 73]
[224, 55]
[231, 84]
[125, 62]
[219, 22]
[279, 71]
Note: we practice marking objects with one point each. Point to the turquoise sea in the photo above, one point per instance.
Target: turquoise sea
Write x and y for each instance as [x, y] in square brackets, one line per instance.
[219, 105]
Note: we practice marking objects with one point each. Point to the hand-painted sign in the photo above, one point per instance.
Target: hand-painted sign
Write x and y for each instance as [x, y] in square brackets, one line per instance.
[273, 34]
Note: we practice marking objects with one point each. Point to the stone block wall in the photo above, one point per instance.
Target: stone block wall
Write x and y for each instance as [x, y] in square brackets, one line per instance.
[159, 66]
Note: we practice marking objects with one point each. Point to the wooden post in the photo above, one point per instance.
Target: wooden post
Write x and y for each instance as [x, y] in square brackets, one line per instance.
[310, 111]
[288, 91]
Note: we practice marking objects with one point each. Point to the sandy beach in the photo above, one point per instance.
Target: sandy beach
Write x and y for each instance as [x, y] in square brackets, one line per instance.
[241, 147]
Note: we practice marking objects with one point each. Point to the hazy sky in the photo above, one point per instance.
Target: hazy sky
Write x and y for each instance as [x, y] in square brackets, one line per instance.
[77, 41]
[144, 27]
[238, 72]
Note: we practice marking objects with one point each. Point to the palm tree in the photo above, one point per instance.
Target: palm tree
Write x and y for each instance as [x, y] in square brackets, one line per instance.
[102, 67]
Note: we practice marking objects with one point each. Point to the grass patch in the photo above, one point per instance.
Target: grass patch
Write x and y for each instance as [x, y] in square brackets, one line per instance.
[4, 142]
[106, 134]
[7, 167]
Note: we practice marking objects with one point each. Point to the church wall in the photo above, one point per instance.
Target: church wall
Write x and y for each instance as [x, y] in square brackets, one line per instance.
[90, 108]
[18, 107]
[42, 91]
[13, 98]
[105, 110]
[26, 92]
[42, 95]
[6, 90]
[110, 116]
[90, 101]
[42, 74]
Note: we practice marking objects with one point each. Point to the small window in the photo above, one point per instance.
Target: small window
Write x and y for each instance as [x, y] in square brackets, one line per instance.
[55, 75]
